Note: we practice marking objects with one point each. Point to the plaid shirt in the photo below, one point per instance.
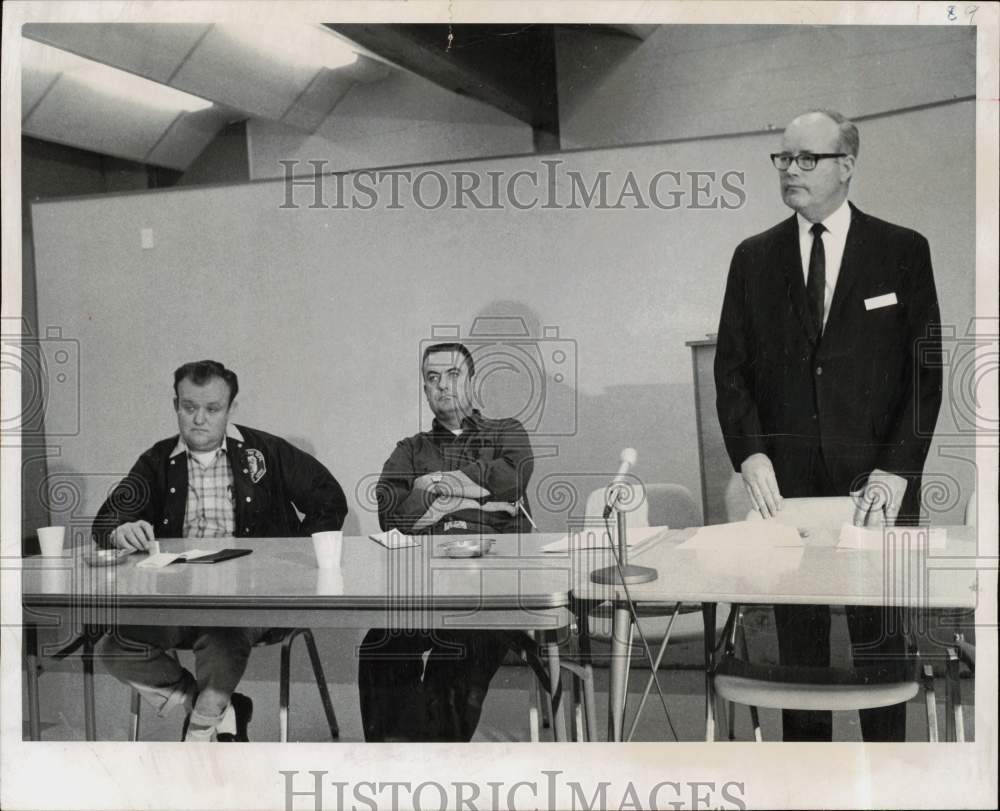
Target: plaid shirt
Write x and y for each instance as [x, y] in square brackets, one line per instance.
[209, 512]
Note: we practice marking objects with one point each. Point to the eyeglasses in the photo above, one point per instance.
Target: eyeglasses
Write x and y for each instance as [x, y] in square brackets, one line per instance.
[806, 160]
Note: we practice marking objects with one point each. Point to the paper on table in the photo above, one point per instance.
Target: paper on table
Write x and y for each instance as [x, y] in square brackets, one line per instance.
[756, 534]
[394, 539]
[161, 559]
[597, 538]
[877, 538]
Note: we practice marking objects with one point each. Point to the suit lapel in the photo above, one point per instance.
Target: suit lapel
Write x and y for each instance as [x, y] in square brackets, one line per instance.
[851, 269]
[789, 258]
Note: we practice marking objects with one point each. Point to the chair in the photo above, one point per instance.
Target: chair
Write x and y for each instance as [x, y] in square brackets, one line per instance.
[665, 505]
[286, 636]
[809, 688]
[962, 650]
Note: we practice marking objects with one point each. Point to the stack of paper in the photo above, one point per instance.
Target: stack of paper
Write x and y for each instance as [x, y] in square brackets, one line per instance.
[879, 538]
[161, 559]
[394, 539]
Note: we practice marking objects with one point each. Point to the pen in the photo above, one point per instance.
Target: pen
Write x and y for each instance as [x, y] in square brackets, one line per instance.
[527, 515]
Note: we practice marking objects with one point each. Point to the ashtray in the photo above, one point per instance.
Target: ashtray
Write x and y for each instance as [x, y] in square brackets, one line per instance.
[467, 547]
[106, 557]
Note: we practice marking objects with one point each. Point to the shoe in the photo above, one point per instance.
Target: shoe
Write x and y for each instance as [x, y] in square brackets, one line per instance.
[243, 707]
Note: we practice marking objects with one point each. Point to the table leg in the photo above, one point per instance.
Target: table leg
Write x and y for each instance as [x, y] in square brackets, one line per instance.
[621, 631]
[89, 704]
[30, 639]
[708, 616]
[555, 690]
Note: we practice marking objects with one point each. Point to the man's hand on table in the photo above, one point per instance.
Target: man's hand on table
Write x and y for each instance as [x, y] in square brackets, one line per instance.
[761, 484]
[878, 503]
[135, 536]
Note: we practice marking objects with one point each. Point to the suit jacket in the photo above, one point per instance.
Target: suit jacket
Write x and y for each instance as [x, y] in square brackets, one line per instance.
[271, 477]
[866, 393]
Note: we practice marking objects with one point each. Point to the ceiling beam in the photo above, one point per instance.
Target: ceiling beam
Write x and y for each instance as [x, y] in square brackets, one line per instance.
[511, 68]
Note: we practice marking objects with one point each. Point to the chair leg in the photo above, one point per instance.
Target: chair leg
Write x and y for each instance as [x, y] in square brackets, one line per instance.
[89, 711]
[284, 679]
[555, 692]
[135, 708]
[31, 676]
[579, 732]
[954, 721]
[930, 701]
[754, 715]
[590, 703]
[708, 617]
[534, 706]
[324, 690]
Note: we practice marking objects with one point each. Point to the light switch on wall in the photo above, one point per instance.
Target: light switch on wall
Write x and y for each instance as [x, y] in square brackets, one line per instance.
[147, 238]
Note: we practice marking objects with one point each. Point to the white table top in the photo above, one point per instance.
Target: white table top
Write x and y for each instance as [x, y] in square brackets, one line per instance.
[816, 571]
[279, 581]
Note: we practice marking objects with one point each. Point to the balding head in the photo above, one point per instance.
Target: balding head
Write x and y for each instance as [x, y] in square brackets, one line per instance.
[818, 192]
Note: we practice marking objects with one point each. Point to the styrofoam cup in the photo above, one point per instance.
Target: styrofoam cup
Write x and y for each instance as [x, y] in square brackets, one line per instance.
[329, 548]
[50, 539]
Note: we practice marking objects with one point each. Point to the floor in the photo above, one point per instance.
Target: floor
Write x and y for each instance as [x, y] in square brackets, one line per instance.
[505, 714]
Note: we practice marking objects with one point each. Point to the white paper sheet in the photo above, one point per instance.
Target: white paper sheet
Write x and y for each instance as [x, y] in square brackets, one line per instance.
[161, 559]
[597, 538]
[878, 538]
[394, 539]
[755, 534]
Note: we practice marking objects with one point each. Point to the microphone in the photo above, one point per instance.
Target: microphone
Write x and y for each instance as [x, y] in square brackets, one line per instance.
[628, 458]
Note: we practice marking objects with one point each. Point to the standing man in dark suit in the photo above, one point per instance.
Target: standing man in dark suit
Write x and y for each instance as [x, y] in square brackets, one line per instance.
[827, 325]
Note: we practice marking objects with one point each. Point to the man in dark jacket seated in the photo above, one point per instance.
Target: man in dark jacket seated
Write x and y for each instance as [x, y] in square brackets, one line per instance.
[213, 480]
[467, 475]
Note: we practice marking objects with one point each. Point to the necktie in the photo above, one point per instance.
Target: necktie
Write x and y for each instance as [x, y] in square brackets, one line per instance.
[816, 281]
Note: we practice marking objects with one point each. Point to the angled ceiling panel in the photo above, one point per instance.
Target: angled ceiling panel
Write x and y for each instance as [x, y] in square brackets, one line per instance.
[189, 134]
[155, 51]
[34, 85]
[318, 100]
[224, 70]
[74, 113]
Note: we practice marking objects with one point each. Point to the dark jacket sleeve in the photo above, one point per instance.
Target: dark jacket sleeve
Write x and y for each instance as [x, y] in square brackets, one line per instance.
[507, 468]
[130, 500]
[912, 427]
[312, 489]
[735, 359]
[400, 506]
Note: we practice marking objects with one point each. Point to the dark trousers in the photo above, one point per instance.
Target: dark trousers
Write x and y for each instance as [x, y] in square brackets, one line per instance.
[876, 636]
[876, 639]
[404, 699]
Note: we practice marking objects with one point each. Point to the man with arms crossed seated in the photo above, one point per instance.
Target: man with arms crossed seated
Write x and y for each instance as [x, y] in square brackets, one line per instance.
[467, 475]
[214, 480]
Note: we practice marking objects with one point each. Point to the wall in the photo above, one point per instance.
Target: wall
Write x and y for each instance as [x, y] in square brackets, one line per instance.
[403, 119]
[53, 170]
[681, 83]
[322, 312]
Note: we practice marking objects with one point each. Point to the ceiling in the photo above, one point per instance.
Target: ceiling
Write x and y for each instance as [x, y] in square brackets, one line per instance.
[292, 73]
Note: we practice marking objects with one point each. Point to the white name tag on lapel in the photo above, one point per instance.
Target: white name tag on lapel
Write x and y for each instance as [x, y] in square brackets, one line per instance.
[875, 302]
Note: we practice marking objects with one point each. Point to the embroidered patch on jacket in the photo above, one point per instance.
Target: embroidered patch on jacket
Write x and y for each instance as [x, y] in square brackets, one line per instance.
[255, 464]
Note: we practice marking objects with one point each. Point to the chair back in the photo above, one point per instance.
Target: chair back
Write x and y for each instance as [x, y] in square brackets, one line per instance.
[826, 513]
[637, 517]
[672, 505]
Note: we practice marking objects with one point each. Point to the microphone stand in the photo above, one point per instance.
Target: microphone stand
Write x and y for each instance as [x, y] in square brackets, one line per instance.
[622, 571]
